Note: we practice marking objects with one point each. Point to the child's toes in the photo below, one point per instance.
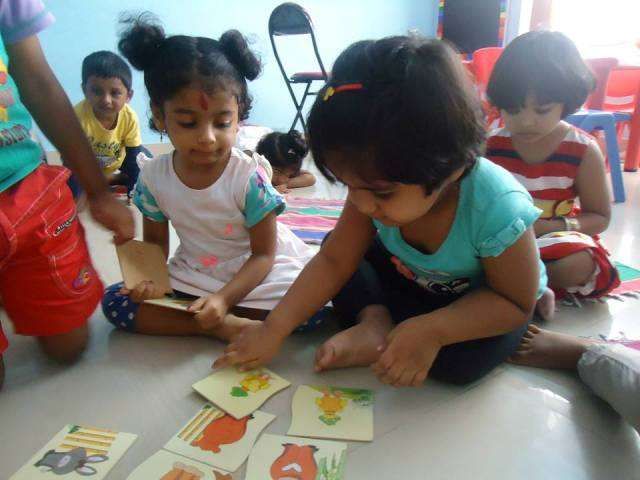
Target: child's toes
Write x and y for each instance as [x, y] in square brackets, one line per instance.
[534, 329]
[324, 356]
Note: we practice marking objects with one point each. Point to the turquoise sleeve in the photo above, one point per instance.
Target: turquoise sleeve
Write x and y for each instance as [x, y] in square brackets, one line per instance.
[505, 220]
[261, 200]
[146, 202]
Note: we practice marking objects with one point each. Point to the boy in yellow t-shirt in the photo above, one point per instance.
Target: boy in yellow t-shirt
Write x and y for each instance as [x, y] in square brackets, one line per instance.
[110, 123]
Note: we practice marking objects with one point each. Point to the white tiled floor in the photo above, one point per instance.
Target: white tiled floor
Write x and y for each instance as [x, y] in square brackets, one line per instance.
[519, 423]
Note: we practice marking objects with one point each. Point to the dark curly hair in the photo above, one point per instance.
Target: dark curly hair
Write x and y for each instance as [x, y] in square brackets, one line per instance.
[283, 150]
[546, 64]
[415, 121]
[172, 63]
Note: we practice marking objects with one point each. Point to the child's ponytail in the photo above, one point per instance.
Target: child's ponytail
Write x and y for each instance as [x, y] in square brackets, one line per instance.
[237, 51]
[283, 150]
[141, 40]
[294, 145]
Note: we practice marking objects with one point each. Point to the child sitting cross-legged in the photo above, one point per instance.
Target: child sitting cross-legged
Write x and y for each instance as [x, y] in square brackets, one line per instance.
[538, 80]
[234, 260]
[432, 267]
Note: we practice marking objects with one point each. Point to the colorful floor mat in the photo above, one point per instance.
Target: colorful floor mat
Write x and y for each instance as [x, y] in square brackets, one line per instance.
[311, 219]
[629, 280]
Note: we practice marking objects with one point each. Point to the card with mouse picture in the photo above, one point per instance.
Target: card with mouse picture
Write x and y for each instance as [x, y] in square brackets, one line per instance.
[77, 452]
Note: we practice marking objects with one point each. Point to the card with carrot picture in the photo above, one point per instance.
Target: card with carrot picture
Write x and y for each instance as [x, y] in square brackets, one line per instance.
[165, 465]
[218, 439]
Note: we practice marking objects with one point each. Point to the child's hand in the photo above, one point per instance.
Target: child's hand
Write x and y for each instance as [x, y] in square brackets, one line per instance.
[255, 345]
[113, 215]
[211, 310]
[145, 290]
[282, 188]
[543, 226]
[411, 350]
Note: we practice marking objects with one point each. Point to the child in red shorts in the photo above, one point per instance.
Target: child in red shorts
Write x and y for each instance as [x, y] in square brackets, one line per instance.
[47, 282]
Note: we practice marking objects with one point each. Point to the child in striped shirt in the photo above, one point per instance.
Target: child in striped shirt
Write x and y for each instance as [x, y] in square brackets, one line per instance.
[538, 81]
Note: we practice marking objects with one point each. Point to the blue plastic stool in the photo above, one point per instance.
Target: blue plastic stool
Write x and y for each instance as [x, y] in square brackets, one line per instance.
[590, 120]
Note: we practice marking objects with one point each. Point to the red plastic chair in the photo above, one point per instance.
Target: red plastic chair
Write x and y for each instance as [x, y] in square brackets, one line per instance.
[601, 68]
[482, 63]
[622, 96]
[484, 60]
[468, 65]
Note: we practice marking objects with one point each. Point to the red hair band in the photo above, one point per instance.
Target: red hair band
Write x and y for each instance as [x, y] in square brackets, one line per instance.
[345, 87]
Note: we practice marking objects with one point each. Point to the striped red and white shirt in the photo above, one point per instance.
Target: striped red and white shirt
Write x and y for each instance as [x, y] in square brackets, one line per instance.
[551, 183]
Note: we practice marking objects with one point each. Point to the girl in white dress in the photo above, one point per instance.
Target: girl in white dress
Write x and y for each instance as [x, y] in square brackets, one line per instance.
[233, 256]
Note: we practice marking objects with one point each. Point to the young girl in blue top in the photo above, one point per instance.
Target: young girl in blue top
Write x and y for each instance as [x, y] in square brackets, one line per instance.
[432, 267]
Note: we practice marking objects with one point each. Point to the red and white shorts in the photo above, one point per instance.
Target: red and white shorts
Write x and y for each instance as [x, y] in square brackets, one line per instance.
[557, 245]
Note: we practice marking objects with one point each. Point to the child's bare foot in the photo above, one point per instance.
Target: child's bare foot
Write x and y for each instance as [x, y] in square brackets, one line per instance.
[547, 349]
[231, 326]
[546, 306]
[357, 346]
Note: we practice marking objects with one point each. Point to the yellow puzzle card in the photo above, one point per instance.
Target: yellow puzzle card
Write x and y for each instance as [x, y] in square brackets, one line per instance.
[240, 393]
[332, 412]
[170, 302]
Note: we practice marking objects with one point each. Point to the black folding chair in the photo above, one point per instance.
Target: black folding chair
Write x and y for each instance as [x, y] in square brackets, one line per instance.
[291, 19]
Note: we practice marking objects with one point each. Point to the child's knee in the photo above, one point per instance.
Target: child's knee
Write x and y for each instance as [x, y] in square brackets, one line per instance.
[68, 347]
[574, 270]
[584, 264]
[119, 309]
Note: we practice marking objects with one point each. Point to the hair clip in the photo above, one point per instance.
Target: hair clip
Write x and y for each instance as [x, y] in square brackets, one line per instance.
[345, 87]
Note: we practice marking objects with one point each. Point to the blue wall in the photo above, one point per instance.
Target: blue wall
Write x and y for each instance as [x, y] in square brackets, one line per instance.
[84, 26]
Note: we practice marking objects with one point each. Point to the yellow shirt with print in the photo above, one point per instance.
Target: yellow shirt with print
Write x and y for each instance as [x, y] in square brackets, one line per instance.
[109, 146]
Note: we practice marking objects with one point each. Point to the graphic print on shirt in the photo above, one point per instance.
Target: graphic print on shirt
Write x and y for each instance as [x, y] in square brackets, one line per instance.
[106, 153]
[433, 281]
[15, 133]
[6, 96]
